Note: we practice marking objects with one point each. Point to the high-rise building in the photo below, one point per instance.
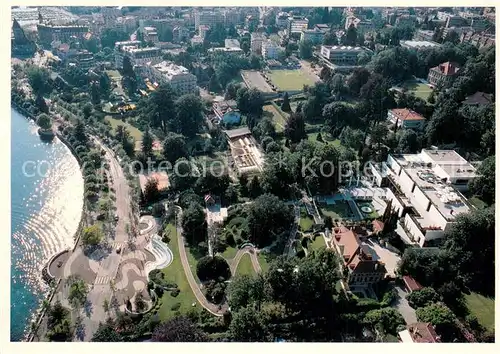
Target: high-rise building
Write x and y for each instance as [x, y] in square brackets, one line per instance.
[256, 40]
[296, 24]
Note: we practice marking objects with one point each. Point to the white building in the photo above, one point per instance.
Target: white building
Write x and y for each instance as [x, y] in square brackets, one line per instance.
[406, 118]
[282, 20]
[208, 18]
[424, 188]
[419, 44]
[270, 50]
[231, 43]
[341, 55]
[150, 34]
[138, 56]
[127, 24]
[256, 40]
[296, 25]
[119, 53]
[177, 76]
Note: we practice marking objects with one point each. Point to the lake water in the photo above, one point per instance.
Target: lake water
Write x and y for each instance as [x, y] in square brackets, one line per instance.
[46, 205]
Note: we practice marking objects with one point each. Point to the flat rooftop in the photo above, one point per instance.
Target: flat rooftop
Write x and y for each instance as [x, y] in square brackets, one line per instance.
[341, 48]
[419, 44]
[170, 69]
[235, 133]
[444, 156]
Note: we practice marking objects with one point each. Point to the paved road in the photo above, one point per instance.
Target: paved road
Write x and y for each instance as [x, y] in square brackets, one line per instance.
[404, 307]
[293, 232]
[109, 265]
[237, 258]
[213, 309]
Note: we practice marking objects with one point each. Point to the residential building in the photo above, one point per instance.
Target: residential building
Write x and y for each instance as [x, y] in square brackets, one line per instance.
[341, 55]
[150, 34]
[417, 45]
[202, 30]
[226, 50]
[231, 43]
[138, 56]
[208, 18]
[20, 44]
[270, 50]
[282, 19]
[315, 36]
[425, 190]
[361, 26]
[455, 21]
[423, 35]
[406, 20]
[256, 40]
[478, 99]
[322, 27]
[177, 76]
[356, 257]
[196, 40]
[180, 34]
[231, 17]
[419, 333]
[251, 20]
[443, 74]
[479, 40]
[83, 59]
[127, 24]
[295, 25]
[411, 284]
[48, 33]
[406, 118]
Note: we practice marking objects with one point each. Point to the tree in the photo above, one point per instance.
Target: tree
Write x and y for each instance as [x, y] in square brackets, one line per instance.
[92, 235]
[378, 135]
[357, 79]
[44, 122]
[330, 38]
[178, 329]
[128, 69]
[336, 116]
[247, 326]
[437, 314]
[140, 303]
[78, 293]
[328, 222]
[250, 101]
[385, 320]
[305, 49]
[193, 224]
[285, 106]
[38, 79]
[158, 108]
[231, 90]
[254, 187]
[268, 217]
[351, 36]
[353, 138]
[147, 143]
[87, 110]
[59, 327]
[174, 147]
[41, 104]
[109, 36]
[80, 132]
[408, 142]
[422, 297]
[151, 192]
[484, 185]
[106, 333]
[188, 118]
[212, 268]
[245, 290]
[295, 129]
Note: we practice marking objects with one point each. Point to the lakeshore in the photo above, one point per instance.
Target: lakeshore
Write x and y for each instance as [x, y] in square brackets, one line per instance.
[47, 203]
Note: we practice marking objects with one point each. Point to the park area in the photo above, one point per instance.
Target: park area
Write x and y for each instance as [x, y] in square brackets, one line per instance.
[277, 117]
[418, 89]
[290, 80]
[245, 266]
[338, 211]
[483, 308]
[134, 132]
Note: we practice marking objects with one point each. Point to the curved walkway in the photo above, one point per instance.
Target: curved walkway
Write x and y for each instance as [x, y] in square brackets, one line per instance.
[213, 309]
[161, 251]
[237, 258]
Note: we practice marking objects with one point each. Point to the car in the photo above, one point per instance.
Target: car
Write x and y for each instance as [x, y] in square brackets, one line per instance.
[116, 217]
[118, 249]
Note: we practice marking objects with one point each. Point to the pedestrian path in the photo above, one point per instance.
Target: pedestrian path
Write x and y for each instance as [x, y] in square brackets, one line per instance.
[102, 280]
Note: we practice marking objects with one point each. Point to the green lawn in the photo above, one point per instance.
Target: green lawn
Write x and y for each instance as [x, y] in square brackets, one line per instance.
[483, 308]
[306, 220]
[289, 80]
[319, 242]
[278, 120]
[229, 253]
[134, 132]
[175, 273]
[326, 138]
[478, 203]
[264, 264]
[245, 266]
[340, 210]
[418, 89]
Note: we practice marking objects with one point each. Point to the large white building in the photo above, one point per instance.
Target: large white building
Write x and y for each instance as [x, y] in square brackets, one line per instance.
[177, 76]
[417, 45]
[256, 40]
[341, 55]
[138, 56]
[425, 189]
[270, 50]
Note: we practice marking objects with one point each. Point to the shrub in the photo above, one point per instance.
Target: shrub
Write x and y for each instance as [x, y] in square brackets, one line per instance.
[210, 268]
[175, 292]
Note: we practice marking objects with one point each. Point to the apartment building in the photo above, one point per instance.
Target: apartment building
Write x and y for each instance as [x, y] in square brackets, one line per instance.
[270, 50]
[256, 40]
[150, 34]
[282, 19]
[443, 74]
[419, 332]
[127, 24]
[361, 25]
[455, 21]
[356, 257]
[425, 190]
[479, 40]
[341, 55]
[406, 118]
[48, 33]
[296, 24]
[177, 76]
[322, 27]
[83, 59]
[423, 35]
[138, 56]
[314, 35]
[208, 18]
[203, 30]
[231, 17]
[406, 20]
[180, 34]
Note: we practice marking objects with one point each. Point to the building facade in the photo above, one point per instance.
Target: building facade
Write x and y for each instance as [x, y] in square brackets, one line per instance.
[315, 36]
[208, 18]
[270, 50]
[406, 118]
[443, 74]
[341, 55]
[296, 25]
[177, 76]
[256, 40]
[48, 33]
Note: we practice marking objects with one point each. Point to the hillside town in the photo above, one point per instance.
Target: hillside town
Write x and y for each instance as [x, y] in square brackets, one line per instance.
[268, 174]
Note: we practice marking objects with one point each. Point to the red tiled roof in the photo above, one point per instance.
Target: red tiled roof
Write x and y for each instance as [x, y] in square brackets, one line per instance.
[377, 225]
[422, 332]
[411, 283]
[406, 114]
[448, 68]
